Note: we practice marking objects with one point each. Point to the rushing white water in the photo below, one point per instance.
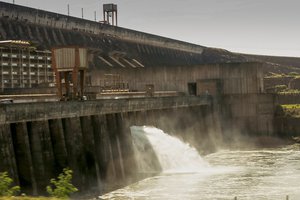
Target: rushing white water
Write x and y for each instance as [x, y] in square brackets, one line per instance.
[173, 155]
[268, 174]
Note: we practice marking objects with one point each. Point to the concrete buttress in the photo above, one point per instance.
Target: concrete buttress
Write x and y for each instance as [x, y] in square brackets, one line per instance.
[89, 151]
[113, 136]
[7, 154]
[58, 144]
[75, 150]
[23, 157]
[42, 153]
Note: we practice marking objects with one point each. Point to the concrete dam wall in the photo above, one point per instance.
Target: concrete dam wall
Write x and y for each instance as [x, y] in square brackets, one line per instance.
[98, 147]
[46, 29]
[58, 21]
[213, 93]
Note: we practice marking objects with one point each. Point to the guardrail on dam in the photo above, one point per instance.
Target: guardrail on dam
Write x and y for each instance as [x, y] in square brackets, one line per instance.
[23, 112]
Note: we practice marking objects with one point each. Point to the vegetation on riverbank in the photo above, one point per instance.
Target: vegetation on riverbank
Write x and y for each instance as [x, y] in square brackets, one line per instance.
[291, 110]
[6, 188]
[289, 92]
[282, 75]
[284, 90]
[60, 188]
[283, 83]
[28, 198]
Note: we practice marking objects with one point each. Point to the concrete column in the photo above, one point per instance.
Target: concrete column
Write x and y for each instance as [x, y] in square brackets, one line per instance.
[216, 110]
[165, 121]
[121, 140]
[140, 118]
[151, 118]
[42, 153]
[112, 132]
[99, 155]
[58, 143]
[24, 159]
[126, 146]
[198, 130]
[181, 123]
[37, 157]
[74, 145]
[93, 173]
[7, 154]
[200, 126]
[155, 115]
[102, 147]
[131, 118]
[211, 137]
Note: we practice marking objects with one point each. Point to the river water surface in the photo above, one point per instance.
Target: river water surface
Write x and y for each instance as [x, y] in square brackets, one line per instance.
[269, 174]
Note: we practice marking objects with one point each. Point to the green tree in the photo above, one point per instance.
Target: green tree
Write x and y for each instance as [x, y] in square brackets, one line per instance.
[63, 187]
[5, 185]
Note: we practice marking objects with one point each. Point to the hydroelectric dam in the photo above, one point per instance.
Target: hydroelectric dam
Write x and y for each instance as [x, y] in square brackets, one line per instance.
[205, 96]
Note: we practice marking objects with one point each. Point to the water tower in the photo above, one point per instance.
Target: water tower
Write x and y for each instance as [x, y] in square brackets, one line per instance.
[70, 64]
[110, 11]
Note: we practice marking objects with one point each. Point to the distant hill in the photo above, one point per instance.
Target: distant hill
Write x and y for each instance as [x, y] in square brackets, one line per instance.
[277, 64]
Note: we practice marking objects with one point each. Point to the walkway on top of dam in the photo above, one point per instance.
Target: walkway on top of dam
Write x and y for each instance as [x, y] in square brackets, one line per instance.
[23, 112]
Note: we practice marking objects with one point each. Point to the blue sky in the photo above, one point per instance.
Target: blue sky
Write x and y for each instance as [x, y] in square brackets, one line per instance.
[269, 27]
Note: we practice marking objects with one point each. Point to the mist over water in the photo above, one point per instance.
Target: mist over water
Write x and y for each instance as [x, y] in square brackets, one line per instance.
[173, 155]
[268, 174]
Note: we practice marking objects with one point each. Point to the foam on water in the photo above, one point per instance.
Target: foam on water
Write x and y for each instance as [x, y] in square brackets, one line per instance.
[174, 156]
[255, 174]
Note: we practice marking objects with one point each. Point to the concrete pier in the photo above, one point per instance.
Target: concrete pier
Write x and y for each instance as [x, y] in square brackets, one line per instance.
[23, 157]
[97, 146]
[7, 155]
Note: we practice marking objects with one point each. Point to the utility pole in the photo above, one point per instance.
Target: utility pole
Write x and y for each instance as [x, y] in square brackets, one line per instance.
[95, 14]
[68, 10]
[82, 13]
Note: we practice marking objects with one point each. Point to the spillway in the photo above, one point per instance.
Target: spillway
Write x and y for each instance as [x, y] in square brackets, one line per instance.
[250, 174]
[171, 154]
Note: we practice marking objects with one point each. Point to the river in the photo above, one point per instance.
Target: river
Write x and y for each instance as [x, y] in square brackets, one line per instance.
[267, 174]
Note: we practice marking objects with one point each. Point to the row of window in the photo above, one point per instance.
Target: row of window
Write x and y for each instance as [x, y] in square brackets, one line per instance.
[26, 73]
[8, 55]
[25, 65]
[23, 81]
